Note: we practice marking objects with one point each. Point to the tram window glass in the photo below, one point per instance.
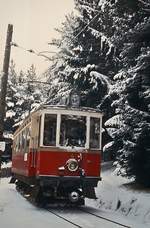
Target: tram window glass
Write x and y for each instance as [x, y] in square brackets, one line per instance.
[19, 142]
[73, 131]
[27, 139]
[23, 141]
[94, 133]
[50, 130]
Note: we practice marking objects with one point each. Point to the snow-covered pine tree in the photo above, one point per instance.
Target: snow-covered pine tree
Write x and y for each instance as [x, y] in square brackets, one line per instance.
[14, 99]
[21, 77]
[84, 47]
[58, 88]
[23, 96]
[133, 97]
[33, 95]
[137, 93]
[10, 114]
[17, 100]
[11, 99]
[31, 77]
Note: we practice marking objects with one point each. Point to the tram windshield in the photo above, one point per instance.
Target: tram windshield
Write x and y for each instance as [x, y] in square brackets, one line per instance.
[73, 131]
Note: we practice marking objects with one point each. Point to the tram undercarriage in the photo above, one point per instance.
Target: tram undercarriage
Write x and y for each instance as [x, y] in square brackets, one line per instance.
[47, 190]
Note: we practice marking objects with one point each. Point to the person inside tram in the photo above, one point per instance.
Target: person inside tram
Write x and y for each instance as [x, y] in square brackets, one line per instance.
[72, 134]
[76, 137]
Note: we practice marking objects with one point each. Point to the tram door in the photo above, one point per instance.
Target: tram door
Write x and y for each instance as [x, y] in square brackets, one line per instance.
[34, 143]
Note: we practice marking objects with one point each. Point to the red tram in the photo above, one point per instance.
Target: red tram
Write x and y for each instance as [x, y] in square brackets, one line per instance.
[57, 153]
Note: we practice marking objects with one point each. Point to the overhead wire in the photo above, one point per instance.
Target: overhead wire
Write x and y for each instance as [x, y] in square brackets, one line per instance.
[41, 53]
[82, 30]
[32, 51]
[86, 25]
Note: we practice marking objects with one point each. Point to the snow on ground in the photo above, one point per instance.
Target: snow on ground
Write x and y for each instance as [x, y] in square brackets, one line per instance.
[116, 201]
[116, 194]
[16, 212]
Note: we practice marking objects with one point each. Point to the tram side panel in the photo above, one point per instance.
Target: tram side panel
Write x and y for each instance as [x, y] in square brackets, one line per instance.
[24, 156]
[34, 145]
[19, 158]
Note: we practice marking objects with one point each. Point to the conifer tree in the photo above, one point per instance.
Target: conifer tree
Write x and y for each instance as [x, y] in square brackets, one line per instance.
[84, 47]
[10, 99]
[32, 97]
[130, 135]
[23, 96]
[31, 77]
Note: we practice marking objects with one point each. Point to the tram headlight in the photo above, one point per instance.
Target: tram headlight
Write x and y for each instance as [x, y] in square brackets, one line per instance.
[72, 165]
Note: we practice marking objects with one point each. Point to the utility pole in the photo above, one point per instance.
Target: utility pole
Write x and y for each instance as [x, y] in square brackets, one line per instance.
[4, 81]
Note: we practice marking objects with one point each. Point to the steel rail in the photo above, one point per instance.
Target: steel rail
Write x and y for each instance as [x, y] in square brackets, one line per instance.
[81, 209]
[64, 218]
[104, 218]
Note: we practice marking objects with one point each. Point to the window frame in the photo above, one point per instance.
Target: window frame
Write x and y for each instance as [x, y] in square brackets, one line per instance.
[100, 132]
[55, 115]
[59, 113]
[18, 139]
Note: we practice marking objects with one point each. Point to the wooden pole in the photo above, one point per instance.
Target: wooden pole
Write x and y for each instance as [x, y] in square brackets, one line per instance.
[4, 79]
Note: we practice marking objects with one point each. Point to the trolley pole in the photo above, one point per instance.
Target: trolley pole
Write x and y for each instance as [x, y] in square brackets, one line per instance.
[4, 81]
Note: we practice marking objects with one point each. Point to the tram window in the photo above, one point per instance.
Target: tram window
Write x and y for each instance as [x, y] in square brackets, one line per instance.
[19, 143]
[73, 130]
[27, 139]
[94, 133]
[50, 130]
[23, 140]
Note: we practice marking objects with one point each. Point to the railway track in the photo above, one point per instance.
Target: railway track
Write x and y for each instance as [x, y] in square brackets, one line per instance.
[67, 220]
[104, 218]
[65, 213]
[64, 216]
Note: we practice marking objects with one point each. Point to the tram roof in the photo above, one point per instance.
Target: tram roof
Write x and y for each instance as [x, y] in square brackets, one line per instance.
[65, 107]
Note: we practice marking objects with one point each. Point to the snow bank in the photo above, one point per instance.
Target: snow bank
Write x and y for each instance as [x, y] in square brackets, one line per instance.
[116, 194]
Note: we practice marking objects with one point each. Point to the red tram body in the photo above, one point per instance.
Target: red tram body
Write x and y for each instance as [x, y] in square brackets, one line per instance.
[57, 150]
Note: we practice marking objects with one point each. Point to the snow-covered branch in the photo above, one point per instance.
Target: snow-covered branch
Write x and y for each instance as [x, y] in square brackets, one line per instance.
[145, 3]
[103, 78]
